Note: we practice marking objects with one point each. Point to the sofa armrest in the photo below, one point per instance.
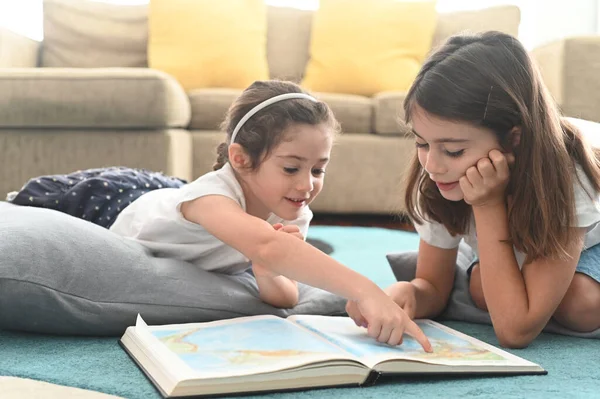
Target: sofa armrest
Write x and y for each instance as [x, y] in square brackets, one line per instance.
[570, 68]
[100, 98]
[17, 51]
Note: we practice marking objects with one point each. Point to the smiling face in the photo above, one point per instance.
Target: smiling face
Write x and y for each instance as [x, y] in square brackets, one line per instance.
[446, 149]
[292, 175]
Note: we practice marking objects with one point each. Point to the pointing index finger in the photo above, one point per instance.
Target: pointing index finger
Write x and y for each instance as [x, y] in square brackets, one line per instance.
[414, 331]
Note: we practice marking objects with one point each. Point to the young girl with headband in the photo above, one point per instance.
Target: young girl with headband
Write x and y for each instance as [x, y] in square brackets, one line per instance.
[253, 209]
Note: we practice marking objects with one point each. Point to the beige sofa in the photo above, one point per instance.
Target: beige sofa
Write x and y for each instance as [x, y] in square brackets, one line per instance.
[99, 107]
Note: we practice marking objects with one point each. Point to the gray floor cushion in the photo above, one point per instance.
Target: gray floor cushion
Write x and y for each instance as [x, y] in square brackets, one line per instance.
[63, 275]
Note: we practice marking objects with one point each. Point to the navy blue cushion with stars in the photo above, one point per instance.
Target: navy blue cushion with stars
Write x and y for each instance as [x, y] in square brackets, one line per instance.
[96, 195]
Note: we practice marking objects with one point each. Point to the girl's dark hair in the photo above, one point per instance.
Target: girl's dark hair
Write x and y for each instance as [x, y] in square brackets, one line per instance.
[489, 80]
[264, 130]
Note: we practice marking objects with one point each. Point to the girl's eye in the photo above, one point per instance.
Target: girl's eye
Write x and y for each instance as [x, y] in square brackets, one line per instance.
[290, 171]
[318, 172]
[455, 154]
[421, 145]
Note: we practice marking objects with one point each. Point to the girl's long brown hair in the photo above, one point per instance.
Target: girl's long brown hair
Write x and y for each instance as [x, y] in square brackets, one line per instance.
[489, 80]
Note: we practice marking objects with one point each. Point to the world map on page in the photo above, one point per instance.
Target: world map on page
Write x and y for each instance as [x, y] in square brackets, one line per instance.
[446, 346]
[241, 347]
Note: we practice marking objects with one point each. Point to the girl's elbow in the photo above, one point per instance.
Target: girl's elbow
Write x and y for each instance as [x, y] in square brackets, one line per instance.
[286, 301]
[290, 301]
[438, 309]
[271, 249]
[513, 339]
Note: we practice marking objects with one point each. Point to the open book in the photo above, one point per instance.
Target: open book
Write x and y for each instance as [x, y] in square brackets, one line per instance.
[268, 353]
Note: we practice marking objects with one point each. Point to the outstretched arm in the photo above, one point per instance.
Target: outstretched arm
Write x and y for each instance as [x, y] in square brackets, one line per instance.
[286, 255]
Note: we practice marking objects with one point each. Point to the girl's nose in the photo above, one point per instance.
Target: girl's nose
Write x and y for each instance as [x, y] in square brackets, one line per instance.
[305, 184]
[435, 166]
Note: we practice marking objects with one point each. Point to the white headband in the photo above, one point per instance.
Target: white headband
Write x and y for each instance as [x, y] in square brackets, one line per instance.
[264, 104]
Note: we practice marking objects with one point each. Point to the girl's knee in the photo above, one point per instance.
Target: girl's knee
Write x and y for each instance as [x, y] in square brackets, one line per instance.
[580, 308]
[475, 288]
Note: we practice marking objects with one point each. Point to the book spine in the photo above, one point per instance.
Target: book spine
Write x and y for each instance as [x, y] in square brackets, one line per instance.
[371, 379]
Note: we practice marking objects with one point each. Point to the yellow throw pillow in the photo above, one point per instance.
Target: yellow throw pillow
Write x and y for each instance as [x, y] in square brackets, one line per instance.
[365, 47]
[209, 43]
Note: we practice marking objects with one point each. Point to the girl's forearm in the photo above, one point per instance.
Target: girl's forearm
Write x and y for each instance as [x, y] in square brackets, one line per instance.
[300, 261]
[278, 291]
[430, 302]
[502, 281]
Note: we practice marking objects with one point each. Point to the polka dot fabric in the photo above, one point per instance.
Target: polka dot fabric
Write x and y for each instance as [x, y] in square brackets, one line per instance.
[96, 195]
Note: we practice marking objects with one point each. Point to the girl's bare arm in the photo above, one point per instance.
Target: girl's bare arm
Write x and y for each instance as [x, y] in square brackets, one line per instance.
[281, 253]
[520, 303]
[278, 291]
[434, 279]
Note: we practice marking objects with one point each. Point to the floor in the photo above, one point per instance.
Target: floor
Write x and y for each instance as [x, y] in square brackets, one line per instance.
[394, 222]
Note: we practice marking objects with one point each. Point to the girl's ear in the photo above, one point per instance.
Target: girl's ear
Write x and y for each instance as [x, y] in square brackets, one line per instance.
[237, 156]
[514, 137]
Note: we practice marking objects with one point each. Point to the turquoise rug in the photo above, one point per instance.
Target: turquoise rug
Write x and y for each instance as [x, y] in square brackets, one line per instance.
[100, 364]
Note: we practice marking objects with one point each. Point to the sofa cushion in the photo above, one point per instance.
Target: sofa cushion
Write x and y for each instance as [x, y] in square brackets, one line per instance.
[17, 51]
[207, 43]
[38, 151]
[355, 113]
[89, 97]
[569, 68]
[288, 38]
[502, 18]
[91, 34]
[365, 175]
[210, 105]
[389, 113]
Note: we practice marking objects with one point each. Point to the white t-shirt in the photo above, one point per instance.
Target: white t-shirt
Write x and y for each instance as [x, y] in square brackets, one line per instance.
[155, 221]
[587, 211]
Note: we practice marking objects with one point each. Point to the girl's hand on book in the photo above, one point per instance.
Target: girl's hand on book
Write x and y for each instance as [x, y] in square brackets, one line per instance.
[387, 322]
[485, 183]
[402, 292]
[355, 315]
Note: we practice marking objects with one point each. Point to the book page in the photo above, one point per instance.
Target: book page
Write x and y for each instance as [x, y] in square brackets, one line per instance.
[450, 347]
[243, 346]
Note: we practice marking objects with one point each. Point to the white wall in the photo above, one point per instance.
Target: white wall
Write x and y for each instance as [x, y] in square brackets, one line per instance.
[545, 21]
[598, 17]
[22, 16]
[541, 20]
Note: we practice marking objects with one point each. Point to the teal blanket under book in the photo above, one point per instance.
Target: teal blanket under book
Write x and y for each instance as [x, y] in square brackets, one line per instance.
[100, 364]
